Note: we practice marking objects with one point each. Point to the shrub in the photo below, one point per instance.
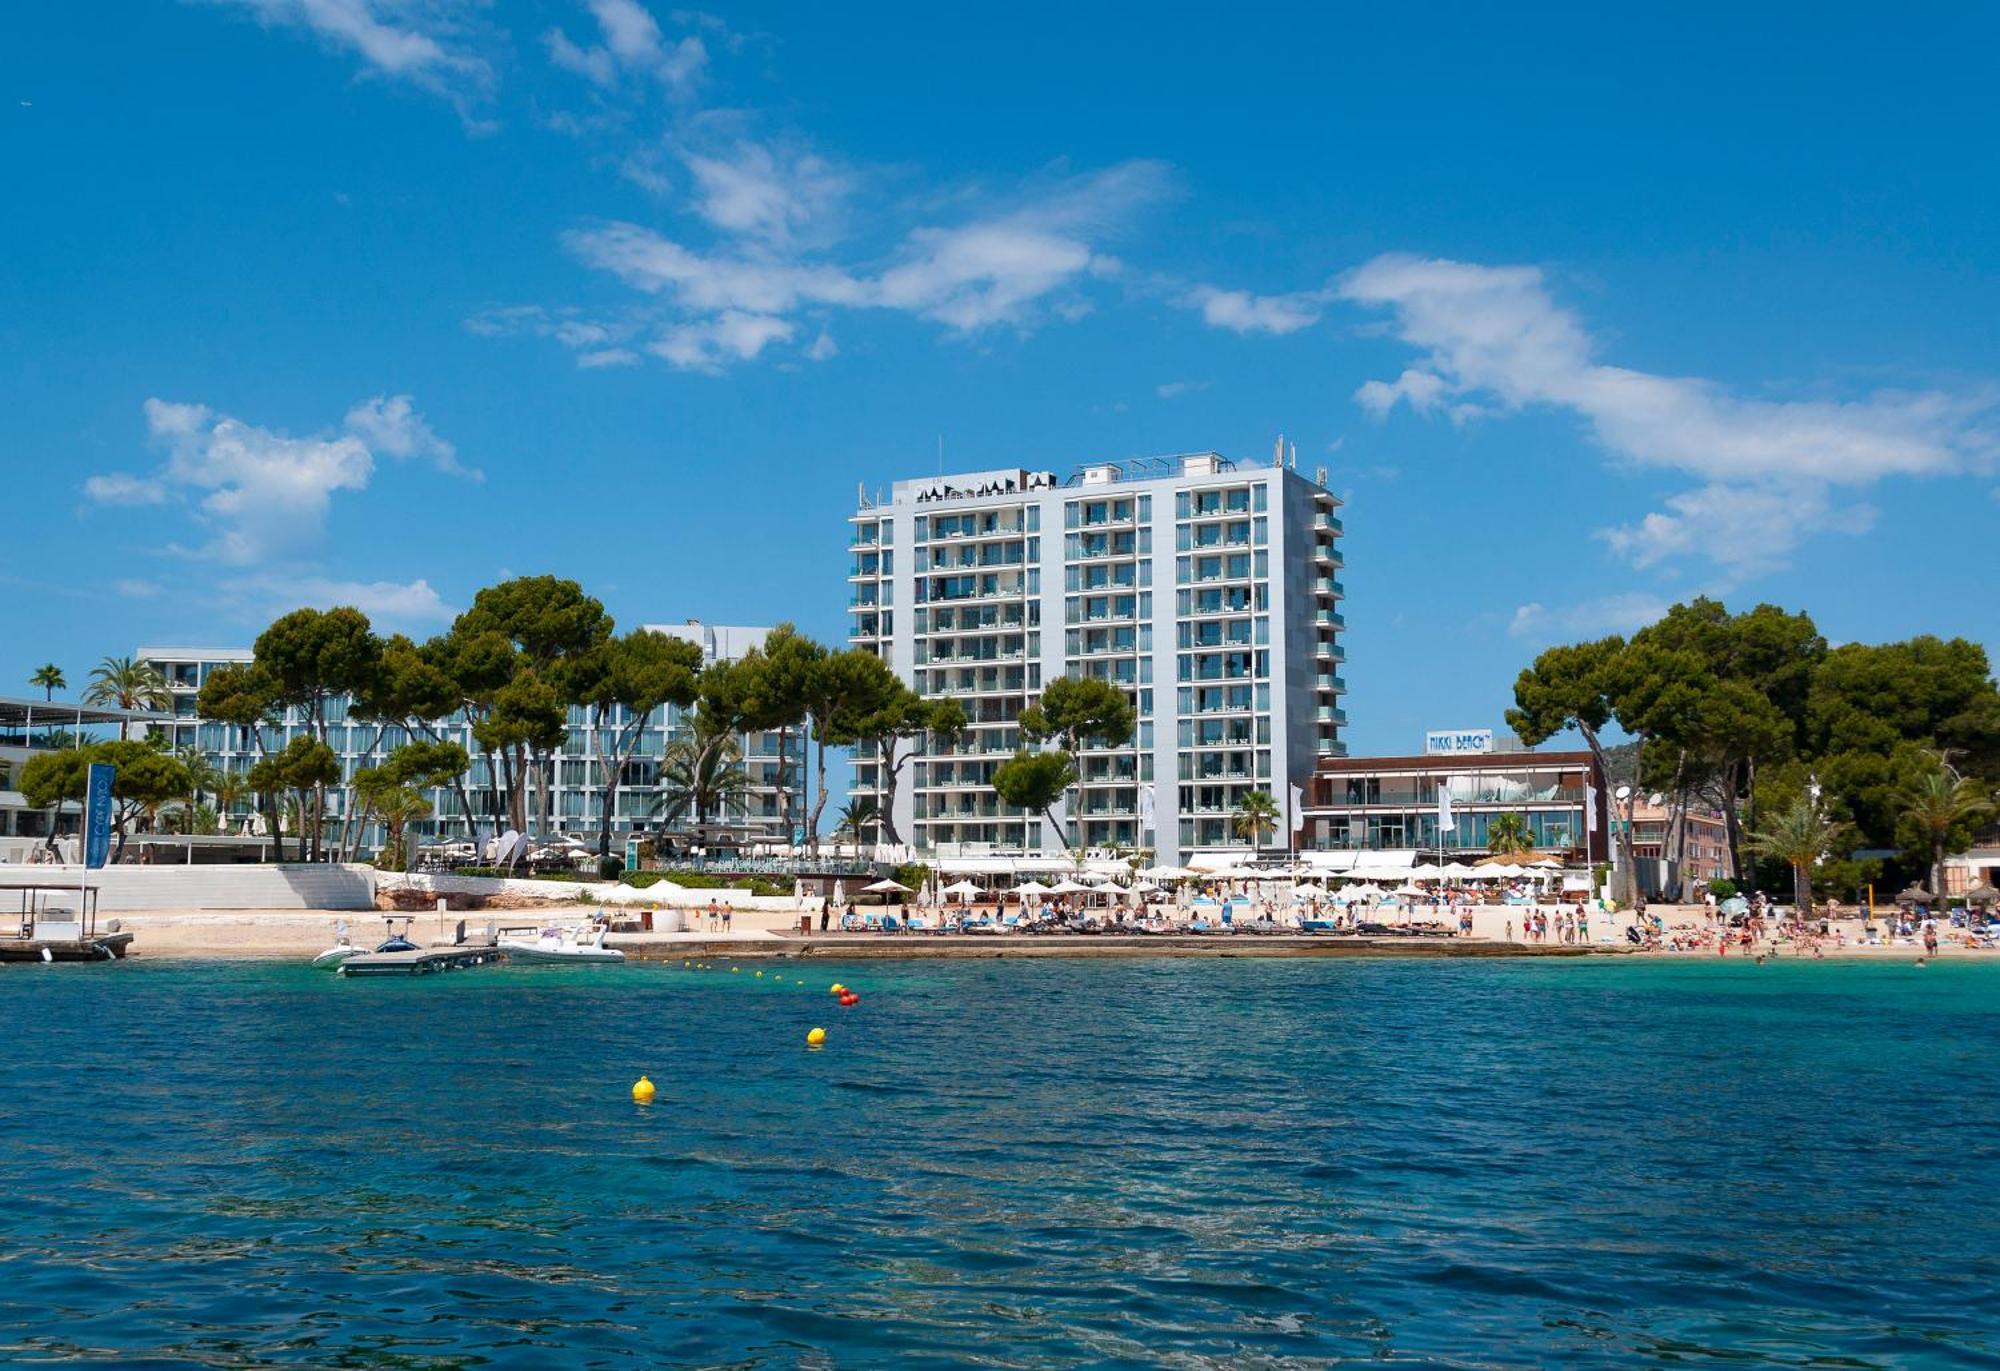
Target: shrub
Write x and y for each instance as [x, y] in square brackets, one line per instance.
[609, 868]
[639, 880]
[1722, 888]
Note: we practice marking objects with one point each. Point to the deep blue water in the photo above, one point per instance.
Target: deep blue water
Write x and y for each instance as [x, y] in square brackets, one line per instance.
[1186, 1163]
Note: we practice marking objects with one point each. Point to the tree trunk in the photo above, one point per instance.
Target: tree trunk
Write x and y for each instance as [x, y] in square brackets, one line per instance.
[885, 790]
[819, 790]
[274, 820]
[1802, 888]
[1623, 863]
[1733, 821]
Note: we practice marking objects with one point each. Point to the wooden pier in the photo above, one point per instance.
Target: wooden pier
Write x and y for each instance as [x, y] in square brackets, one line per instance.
[52, 933]
[423, 961]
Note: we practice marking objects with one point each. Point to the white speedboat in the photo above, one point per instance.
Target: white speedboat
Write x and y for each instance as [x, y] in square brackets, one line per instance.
[553, 946]
[342, 948]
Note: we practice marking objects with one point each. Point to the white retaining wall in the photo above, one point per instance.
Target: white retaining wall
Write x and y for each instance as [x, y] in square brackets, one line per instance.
[135, 889]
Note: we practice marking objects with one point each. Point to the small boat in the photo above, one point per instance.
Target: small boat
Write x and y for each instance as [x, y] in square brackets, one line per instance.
[394, 940]
[341, 950]
[558, 946]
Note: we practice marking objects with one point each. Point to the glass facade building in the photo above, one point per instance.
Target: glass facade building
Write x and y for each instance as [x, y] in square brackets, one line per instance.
[1206, 590]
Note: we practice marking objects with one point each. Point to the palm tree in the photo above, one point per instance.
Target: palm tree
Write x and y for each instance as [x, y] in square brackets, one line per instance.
[700, 776]
[49, 677]
[203, 777]
[1256, 815]
[1800, 836]
[1507, 834]
[1937, 802]
[857, 818]
[229, 787]
[127, 684]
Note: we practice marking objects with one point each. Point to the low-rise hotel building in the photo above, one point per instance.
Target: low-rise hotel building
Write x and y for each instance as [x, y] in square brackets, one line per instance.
[1206, 589]
[576, 792]
[1390, 804]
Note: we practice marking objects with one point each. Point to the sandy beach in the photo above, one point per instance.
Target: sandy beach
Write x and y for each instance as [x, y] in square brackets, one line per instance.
[291, 933]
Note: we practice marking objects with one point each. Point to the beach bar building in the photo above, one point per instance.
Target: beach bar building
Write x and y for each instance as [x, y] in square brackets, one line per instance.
[1390, 804]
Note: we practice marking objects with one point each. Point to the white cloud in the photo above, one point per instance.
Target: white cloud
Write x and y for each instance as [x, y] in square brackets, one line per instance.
[631, 42]
[607, 357]
[823, 347]
[1243, 312]
[1622, 613]
[118, 488]
[1492, 337]
[261, 495]
[1172, 389]
[1423, 390]
[732, 336]
[768, 194]
[391, 425]
[134, 589]
[386, 602]
[430, 43]
[1003, 267]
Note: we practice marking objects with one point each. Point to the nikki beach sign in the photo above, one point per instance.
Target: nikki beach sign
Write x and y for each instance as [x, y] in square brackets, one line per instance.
[1457, 742]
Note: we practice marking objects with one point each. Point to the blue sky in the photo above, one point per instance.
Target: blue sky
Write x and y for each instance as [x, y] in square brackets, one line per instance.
[377, 301]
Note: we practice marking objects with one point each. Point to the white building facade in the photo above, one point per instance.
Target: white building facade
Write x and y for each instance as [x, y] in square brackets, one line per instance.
[772, 801]
[1205, 589]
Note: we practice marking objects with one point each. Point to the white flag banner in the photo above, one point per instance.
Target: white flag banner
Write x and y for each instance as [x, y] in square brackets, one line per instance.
[1589, 807]
[1298, 808]
[1146, 803]
[1446, 821]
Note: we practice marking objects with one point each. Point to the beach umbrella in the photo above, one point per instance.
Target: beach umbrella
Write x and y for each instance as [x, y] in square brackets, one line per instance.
[840, 892]
[1145, 887]
[884, 887]
[1069, 886]
[1032, 887]
[1982, 894]
[1308, 891]
[1916, 894]
[963, 889]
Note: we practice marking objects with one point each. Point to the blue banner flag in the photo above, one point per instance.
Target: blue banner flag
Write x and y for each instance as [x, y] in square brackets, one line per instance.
[97, 815]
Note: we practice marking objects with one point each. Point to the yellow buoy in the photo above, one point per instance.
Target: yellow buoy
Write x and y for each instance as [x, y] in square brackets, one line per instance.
[816, 1038]
[760, 973]
[735, 968]
[642, 1091]
[836, 988]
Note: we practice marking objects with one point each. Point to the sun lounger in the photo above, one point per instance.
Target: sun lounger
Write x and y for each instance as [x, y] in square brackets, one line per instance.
[890, 924]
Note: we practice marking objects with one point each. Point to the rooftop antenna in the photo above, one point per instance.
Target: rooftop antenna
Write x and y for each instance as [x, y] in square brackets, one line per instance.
[1295, 456]
[1278, 454]
[940, 454]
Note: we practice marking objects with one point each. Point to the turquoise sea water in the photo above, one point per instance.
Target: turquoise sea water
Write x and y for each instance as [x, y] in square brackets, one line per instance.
[1008, 1164]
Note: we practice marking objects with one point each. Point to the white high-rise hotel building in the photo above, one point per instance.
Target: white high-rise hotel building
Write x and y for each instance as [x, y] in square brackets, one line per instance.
[1208, 590]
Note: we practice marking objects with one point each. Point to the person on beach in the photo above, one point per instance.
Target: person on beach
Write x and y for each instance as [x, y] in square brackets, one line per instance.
[714, 915]
[1930, 937]
[727, 910]
[1510, 930]
[825, 910]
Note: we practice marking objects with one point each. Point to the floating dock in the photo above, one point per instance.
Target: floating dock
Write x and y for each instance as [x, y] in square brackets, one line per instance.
[48, 933]
[423, 961]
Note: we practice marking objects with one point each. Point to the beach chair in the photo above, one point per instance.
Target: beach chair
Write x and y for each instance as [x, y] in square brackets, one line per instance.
[919, 924]
[1011, 924]
[890, 924]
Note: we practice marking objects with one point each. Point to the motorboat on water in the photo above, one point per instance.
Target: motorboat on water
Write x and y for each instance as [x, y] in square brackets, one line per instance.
[555, 945]
[396, 940]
